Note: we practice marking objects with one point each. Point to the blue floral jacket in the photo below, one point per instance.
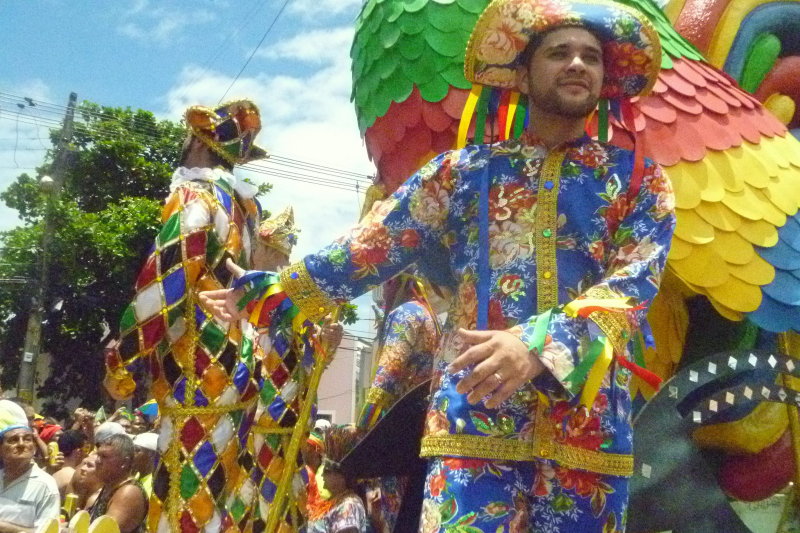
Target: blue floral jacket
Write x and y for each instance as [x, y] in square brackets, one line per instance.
[563, 224]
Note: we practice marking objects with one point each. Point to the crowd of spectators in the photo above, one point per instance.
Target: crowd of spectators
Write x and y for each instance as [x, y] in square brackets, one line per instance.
[50, 469]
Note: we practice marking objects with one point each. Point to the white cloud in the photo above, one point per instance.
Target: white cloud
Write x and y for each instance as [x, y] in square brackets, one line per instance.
[159, 25]
[321, 10]
[316, 46]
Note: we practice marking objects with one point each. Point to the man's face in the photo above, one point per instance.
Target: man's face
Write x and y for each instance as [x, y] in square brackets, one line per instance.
[126, 424]
[109, 463]
[18, 446]
[565, 73]
[139, 425]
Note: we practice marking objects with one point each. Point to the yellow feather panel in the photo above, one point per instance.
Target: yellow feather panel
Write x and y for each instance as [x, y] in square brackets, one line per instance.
[732, 247]
[679, 249]
[691, 228]
[685, 185]
[745, 203]
[736, 295]
[722, 164]
[761, 428]
[783, 192]
[719, 216]
[759, 232]
[769, 209]
[703, 268]
[725, 311]
[756, 272]
[714, 189]
[747, 162]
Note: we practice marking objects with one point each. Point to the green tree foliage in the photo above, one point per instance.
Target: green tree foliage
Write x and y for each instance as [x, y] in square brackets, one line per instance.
[118, 175]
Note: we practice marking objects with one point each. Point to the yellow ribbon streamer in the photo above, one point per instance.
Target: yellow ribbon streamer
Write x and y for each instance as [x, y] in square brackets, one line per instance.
[466, 115]
[573, 308]
[513, 102]
[596, 375]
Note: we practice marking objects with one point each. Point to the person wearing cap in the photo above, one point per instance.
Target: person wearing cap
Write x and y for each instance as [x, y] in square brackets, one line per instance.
[557, 242]
[205, 377]
[28, 495]
[145, 455]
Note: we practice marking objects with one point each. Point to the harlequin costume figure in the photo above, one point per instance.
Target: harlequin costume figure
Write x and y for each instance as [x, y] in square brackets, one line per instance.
[407, 344]
[205, 377]
[558, 243]
[284, 378]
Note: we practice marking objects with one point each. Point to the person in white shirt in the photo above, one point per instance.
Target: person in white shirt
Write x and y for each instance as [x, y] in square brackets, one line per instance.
[28, 495]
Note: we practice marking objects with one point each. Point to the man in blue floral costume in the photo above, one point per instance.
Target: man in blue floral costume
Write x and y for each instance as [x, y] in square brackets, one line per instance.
[557, 243]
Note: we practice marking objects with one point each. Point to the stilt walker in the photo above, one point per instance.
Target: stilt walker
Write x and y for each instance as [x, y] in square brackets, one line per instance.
[205, 377]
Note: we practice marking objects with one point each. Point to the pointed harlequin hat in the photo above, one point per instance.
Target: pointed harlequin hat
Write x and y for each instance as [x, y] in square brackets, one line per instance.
[279, 232]
[631, 46]
[229, 130]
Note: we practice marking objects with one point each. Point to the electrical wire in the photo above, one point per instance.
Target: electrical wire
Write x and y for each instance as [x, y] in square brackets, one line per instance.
[153, 133]
[269, 29]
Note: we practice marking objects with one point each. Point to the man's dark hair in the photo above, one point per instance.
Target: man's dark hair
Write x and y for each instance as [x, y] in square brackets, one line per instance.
[122, 444]
[71, 440]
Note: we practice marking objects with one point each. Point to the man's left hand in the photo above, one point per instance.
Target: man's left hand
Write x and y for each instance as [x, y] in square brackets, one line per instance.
[502, 365]
[223, 303]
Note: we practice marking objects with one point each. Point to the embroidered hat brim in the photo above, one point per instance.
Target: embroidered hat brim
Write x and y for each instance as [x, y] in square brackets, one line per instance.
[631, 45]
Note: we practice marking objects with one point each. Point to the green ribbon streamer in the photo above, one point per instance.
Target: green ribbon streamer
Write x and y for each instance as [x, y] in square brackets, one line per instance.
[602, 120]
[519, 117]
[256, 290]
[638, 350]
[480, 116]
[579, 373]
[540, 332]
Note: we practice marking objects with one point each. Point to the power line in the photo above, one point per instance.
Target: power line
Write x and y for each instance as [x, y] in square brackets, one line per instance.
[149, 131]
[269, 29]
[247, 18]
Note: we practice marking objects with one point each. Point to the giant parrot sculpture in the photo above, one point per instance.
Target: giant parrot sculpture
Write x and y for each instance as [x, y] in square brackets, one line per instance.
[734, 165]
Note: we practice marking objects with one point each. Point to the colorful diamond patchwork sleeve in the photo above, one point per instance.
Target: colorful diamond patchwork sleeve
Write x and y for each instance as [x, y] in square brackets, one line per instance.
[176, 261]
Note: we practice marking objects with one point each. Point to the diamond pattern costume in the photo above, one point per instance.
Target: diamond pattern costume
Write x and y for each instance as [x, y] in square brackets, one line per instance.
[288, 358]
[205, 376]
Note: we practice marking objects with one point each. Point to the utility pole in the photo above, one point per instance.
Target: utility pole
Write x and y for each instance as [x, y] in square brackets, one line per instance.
[51, 187]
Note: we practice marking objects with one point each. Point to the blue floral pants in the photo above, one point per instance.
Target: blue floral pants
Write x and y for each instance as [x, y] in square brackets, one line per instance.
[464, 495]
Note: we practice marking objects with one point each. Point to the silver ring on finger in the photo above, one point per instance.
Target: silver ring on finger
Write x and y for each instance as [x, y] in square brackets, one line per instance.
[499, 379]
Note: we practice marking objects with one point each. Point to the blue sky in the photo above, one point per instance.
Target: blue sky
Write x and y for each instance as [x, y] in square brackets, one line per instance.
[166, 55]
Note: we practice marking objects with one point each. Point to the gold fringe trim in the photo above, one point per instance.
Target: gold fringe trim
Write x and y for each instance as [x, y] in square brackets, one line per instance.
[380, 397]
[305, 293]
[546, 228]
[614, 324]
[208, 410]
[543, 446]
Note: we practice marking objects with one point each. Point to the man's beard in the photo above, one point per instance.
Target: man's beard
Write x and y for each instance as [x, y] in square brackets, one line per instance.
[552, 102]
